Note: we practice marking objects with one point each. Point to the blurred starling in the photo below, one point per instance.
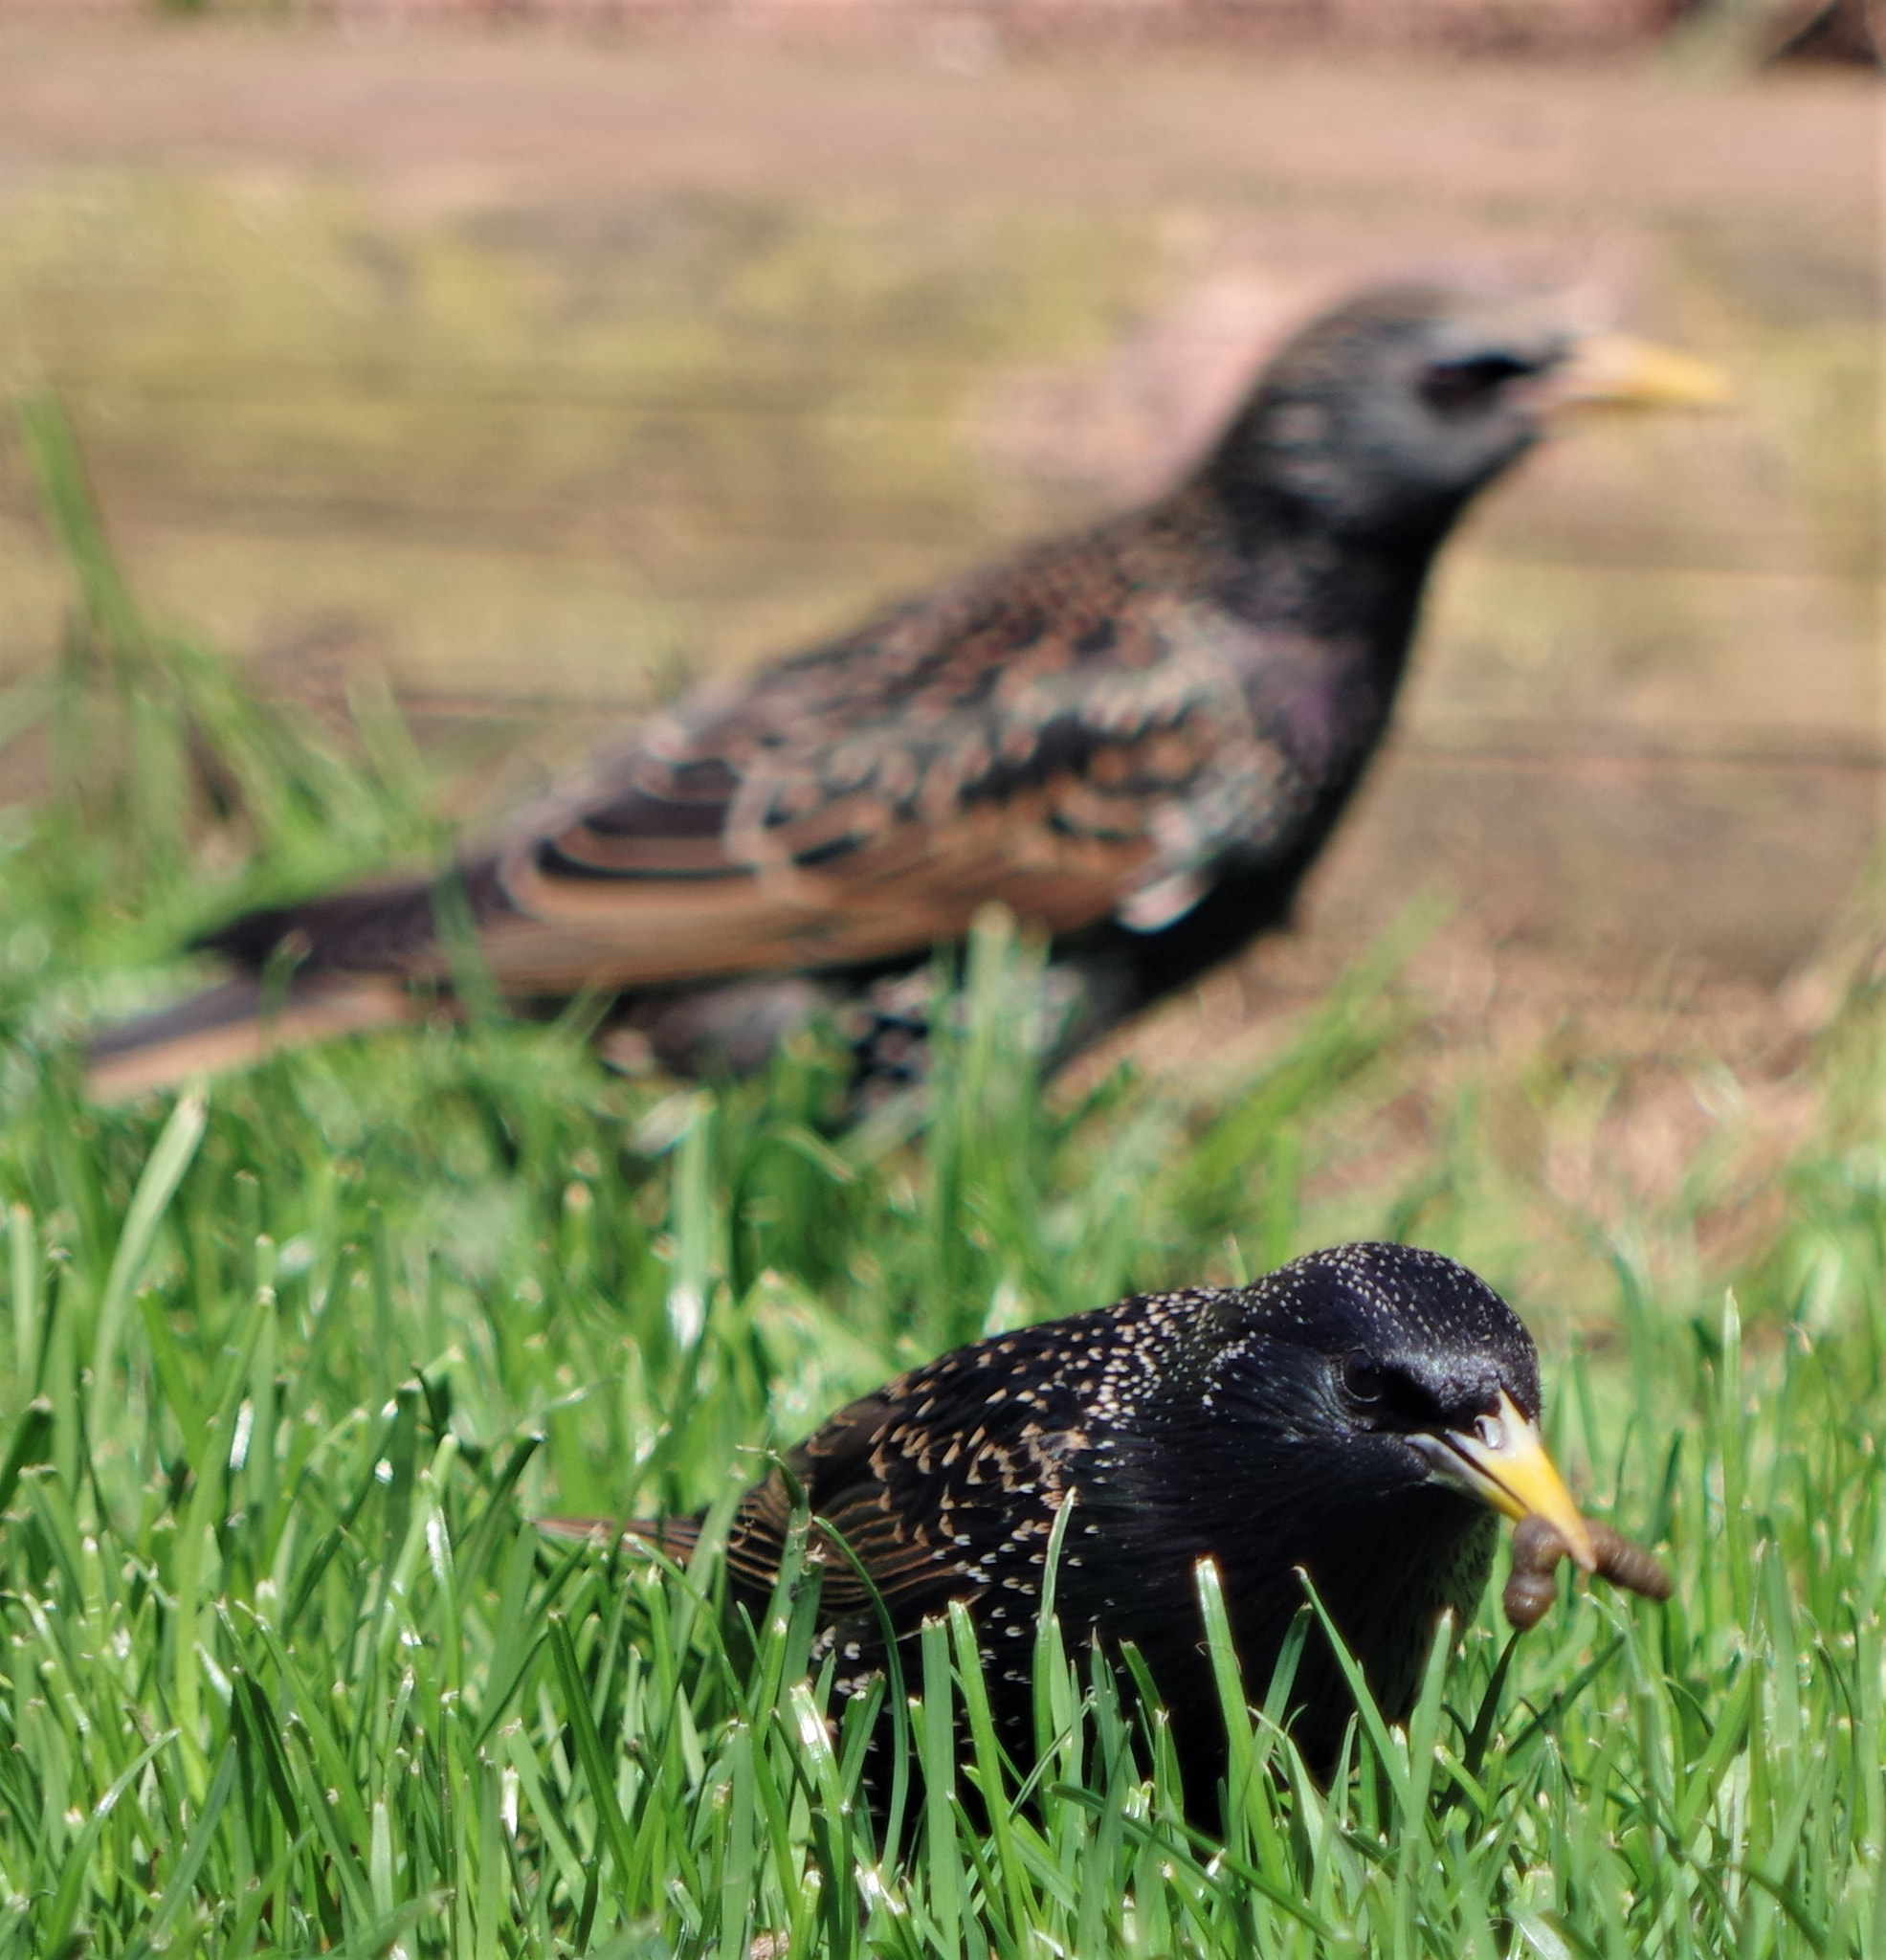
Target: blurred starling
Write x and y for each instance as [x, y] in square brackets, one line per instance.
[1136, 738]
[1360, 1415]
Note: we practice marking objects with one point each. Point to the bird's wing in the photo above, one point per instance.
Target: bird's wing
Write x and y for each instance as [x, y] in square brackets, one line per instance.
[885, 840]
[1072, 738]
[841, 1472]
[921, 1480]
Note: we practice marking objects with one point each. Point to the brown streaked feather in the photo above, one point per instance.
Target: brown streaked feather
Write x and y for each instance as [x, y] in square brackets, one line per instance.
[1006, 741]
[854, 877]
[677, 1537]
[906, 1504]
[235, 1025]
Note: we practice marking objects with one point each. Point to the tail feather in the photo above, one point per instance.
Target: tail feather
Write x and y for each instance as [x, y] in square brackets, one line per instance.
[351, 954]
[235, 1025]
[677, 1537]
[385, 927]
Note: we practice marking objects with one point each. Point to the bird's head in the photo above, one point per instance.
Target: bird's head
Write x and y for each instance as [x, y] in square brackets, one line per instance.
[1383, 416]
[1383, 1370]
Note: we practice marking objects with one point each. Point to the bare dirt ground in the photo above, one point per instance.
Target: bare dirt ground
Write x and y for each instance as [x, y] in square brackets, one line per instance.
[529, 371]
[717, 110]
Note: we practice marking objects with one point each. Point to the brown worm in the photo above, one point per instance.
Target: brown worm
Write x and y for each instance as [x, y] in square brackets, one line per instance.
[1629, 1564]
[1537, 1549]
[1530, 1590]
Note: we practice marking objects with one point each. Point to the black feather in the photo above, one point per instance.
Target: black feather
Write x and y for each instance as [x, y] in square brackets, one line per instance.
[1180, 1426]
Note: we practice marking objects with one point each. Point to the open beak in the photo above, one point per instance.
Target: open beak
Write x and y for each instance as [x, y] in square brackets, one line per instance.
[1503, 1463]
[1613, 371]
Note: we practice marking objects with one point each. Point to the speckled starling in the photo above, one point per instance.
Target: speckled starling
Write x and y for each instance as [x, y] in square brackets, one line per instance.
[1136, 738]
[1360, 1415]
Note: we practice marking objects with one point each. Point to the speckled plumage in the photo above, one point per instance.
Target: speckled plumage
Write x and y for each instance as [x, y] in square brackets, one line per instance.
[1136, 738]
[1182, 1425]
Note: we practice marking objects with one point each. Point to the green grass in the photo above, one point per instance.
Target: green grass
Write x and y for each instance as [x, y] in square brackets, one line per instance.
[286, 1369]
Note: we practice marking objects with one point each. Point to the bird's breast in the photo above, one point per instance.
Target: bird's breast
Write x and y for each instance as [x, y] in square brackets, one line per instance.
[1323, 704]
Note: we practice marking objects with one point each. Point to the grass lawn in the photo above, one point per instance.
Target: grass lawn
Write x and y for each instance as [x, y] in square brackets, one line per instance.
[287, 1366]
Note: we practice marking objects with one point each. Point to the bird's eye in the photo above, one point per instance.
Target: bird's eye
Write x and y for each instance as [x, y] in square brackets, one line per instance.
[1361, 1377]
[1453, 386]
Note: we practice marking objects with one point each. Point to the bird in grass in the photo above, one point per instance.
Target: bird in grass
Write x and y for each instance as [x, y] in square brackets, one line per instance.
[1359, 1416]
[1135, 738]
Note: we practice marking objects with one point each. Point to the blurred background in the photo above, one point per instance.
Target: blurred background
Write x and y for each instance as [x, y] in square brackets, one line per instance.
[513, 363]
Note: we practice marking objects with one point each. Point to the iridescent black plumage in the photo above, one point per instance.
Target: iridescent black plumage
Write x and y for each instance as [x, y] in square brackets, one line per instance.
[1136, 738]
[1316, 1419]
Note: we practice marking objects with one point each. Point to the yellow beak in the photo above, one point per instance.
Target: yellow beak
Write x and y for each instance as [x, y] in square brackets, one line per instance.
[1503, 1463]
[1613, 371]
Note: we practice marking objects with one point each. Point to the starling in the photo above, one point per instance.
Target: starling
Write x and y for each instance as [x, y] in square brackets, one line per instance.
[1136, 738]
[1358, 1416]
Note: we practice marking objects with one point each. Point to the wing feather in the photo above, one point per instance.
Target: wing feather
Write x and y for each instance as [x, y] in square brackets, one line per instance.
[1063, 735]
[886, 842]
[920, 1480]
